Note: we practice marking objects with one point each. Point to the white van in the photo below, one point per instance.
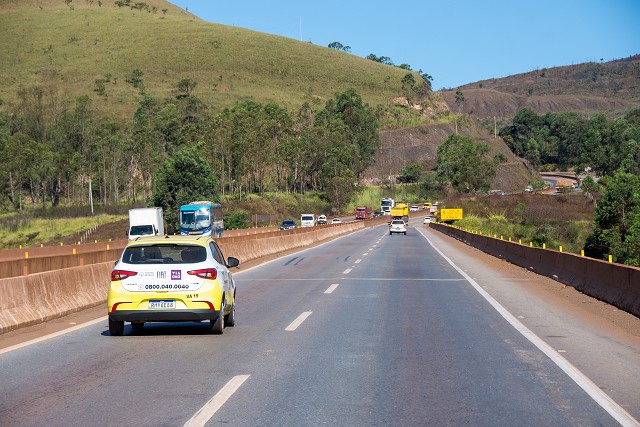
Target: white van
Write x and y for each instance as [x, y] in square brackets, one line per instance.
[307, 220]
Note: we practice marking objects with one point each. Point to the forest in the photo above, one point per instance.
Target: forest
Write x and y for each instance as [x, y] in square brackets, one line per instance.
[55, 151]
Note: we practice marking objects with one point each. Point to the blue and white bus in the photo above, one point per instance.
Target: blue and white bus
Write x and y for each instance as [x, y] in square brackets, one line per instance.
[201, 218]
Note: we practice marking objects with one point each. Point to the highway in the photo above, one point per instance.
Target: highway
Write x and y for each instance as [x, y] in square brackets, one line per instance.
[368, 329]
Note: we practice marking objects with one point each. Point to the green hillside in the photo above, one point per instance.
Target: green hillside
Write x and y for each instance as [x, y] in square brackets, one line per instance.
[68, 44]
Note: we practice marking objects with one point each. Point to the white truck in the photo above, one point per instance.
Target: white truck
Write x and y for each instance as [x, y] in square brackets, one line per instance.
[307, 220]
[145, 222]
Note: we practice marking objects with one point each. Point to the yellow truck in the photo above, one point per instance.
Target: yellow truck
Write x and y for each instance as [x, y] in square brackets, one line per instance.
[400, 211]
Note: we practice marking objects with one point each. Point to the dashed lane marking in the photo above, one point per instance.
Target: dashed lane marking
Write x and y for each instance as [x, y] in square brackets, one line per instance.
[294, 325]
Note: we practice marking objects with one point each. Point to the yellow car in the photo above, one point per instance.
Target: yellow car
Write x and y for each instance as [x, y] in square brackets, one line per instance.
[172, 279]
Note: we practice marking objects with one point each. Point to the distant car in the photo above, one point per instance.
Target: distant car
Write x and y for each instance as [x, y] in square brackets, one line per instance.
[322, 219]
[287, 224]
[427, 220]
[528, 189]
[377, 214]
[398, 226]
[172, 279]
[336, 221]
[414, 208]
[496, 193]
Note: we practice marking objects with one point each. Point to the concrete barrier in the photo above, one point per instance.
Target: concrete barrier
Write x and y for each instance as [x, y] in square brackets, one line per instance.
[27, 300]
[615, 284]
[37, 297]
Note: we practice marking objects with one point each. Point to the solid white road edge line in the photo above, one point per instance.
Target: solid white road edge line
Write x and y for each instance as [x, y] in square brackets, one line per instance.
[601, 398]
[53, 335]
[209, 409]
[294, 325]
[331, 288]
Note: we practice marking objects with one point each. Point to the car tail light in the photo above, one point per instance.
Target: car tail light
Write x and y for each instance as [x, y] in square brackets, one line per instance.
[205, 273]
[121, 274]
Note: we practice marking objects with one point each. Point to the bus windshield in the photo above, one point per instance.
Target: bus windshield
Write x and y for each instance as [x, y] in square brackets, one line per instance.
[195, 220]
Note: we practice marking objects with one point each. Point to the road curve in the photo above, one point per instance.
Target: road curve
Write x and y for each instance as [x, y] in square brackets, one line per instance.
[368, 329]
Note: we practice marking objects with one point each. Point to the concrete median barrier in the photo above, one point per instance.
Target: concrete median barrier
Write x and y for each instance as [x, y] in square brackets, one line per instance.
[615, 284]
[31, 298]
[27, 300]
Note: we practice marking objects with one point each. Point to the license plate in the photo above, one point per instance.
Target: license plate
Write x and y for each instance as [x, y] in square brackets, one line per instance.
[155, 304]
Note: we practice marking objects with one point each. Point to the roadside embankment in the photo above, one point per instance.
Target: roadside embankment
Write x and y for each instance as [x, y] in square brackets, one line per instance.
[615, 284]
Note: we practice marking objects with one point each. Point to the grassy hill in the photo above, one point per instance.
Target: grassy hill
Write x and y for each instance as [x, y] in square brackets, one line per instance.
[66, 45]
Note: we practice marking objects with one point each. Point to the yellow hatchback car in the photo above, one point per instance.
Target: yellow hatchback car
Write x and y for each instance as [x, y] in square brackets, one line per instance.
[172, 279]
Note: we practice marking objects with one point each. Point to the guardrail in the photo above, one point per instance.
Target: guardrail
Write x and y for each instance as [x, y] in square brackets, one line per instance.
[615, 284]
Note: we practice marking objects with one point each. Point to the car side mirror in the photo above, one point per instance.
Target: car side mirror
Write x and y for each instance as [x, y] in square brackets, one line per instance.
[232, 262]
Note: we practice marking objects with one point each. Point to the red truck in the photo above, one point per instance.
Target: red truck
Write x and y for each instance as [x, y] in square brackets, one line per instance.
[363, 212]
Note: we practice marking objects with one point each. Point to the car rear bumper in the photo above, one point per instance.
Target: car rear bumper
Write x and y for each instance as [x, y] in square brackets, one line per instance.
[163, 315]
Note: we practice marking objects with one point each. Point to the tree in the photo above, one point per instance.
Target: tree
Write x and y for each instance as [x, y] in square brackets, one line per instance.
[135, 80]
[183, 178]
[617, 221]
[185, 87]
[410, 173]
[339, 46]
[463, 163]
[408, 85]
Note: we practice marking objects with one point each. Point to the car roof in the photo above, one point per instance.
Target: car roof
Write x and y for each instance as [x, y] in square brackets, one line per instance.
[169, 240]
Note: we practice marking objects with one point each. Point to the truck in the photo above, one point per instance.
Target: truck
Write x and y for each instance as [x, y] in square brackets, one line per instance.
[363, 212]
[307, 220]
[145, 222]
[400, 211]
[386, 204]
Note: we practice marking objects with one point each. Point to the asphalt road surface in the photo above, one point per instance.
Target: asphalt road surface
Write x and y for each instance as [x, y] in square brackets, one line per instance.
[369, 329]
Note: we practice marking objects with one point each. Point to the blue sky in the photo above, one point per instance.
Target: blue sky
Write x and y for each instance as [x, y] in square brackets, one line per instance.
[456, 42]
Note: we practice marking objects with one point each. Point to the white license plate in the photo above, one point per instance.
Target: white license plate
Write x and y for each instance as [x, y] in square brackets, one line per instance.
[155, 304]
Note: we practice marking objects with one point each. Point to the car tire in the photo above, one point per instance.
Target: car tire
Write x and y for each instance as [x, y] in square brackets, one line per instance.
[390, 234]
[116, 328]
[217, 326]
[405, 233]
[230, 319]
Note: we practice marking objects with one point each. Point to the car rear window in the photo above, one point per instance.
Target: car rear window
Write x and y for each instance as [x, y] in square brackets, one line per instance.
[164, 254]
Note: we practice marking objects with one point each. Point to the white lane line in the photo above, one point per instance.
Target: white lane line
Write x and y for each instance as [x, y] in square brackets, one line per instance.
[358, 261]
[209, 409]
[294, 325]
[347, 271]
[599, 396]
[331, 288]
[365, 254]
[53, 335]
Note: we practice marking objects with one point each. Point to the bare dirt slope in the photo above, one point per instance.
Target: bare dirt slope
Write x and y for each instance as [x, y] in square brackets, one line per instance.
[420, 145]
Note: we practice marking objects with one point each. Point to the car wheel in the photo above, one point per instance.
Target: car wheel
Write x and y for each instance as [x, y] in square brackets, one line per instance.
[405, 233]
[137, 326]
[217, 326]
[390, 233]
[230, 319]
[116, 328]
